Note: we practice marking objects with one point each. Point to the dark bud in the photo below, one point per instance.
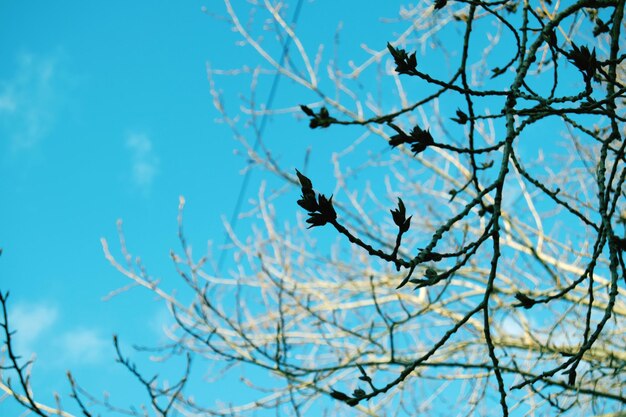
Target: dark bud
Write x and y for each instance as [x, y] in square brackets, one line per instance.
[524, 301]
[358, 393]
[352, 402]
[308, 202]
[399, 214]
[440, 4]
[600, 27]
[453, 194]
[316, 219]
[418, 148]
[421, 139]
[418, 138]
[399, 217]
[321, 119]
[399, 139]
[584, 60]
[321, 212]
[325, 206]
[406, 225]
[422, 136]
[405, 63]
[307, 111]
[461, 118]
[497, 72]
[394, 53]
[338, 395]
[306, 183]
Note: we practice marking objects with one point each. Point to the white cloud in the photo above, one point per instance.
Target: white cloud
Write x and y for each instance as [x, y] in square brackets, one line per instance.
[28, 101]
[39, 331]
[30, 322]
[83, 346]
[145, 163]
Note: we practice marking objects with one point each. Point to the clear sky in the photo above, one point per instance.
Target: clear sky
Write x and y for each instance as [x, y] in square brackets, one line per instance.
[106, 114]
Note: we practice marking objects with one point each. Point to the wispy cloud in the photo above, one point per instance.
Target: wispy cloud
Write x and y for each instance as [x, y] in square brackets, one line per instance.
[83, 346]
[145, 162]
[31, 322]
[29, 100]
[40, 331]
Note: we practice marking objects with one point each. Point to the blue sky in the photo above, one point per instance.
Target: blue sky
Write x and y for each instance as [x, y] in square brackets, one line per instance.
[106, 114]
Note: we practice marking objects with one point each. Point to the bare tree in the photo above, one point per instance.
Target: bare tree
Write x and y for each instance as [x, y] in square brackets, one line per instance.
[481, 266]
